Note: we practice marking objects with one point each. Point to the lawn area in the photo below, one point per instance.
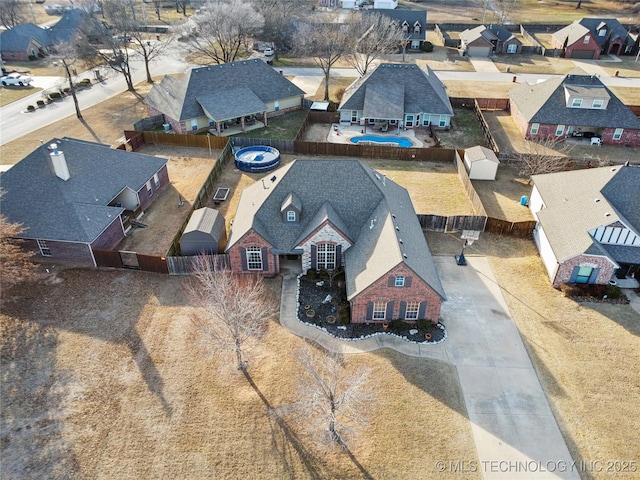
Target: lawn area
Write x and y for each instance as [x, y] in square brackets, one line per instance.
[443, 58]
[121, 386]
[628, 96]
[337, 86]
[282, 127]
[464, 89]
[533, 64]
[586, 355]
[626, 67]
[465, 131]
[11, 94]
[501, 197]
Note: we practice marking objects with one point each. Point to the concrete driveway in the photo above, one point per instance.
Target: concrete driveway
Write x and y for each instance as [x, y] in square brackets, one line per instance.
[515, 432]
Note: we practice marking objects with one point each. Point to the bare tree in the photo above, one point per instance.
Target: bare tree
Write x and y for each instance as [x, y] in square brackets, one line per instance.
[376, 35]
[15, 263]
[504, 8]
[69, 56]
[224, 28]
[326, 41]
[333, 402]
[333, 274]
[232, 310]
[279, 16]
[545, 155]
[12, 13]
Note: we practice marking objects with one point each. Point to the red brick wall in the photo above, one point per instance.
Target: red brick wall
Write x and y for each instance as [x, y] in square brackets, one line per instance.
[629, 137]
[563, 275]
[145, 200]
[176, 125]
[67, 252]
[111, 236]
[518, 118]
[380, 291]
[252, 239]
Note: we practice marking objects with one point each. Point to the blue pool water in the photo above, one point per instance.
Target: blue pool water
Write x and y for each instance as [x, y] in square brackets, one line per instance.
[400, 141]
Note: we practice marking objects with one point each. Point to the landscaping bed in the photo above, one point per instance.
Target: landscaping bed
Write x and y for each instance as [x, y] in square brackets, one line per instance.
[323, 304]
[594, 293]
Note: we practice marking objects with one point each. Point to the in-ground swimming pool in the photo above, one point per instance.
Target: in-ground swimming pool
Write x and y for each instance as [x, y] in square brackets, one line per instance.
[259, 158]
[392, 141]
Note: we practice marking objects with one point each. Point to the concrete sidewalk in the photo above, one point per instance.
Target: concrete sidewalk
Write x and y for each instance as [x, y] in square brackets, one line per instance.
[484, 65]
[515, 432]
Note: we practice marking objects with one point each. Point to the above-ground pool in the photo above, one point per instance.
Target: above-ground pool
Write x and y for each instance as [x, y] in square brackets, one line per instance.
[373, 139]
[259, 158]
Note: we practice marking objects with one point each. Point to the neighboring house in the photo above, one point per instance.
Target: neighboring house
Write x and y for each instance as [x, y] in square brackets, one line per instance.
[588, 227]
[481, 163]
[24, 42]
[331, 214]
[28, 41]
[588, 38]
[385, 4]
[485, 41]
[576, 103]
[404, 95]
[73, 197]
[220, 96]
[413, 24]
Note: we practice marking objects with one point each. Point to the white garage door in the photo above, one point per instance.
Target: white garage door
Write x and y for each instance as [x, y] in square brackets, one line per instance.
[478, 51]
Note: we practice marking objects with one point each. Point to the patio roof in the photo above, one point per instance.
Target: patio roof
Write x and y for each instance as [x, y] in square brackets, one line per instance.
[237, 103]
[384, 102]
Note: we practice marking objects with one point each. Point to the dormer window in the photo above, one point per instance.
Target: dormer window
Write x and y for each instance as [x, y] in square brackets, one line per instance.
[291, 209]
[586, 39]
[602, 32]
[597, 103]
[291, 216]
[405, 27]
[576, 102]
[416, 28]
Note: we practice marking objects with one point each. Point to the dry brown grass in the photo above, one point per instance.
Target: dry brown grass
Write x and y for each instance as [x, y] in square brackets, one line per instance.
[465, 89]
[337, 86]
[501, 198]
[586, 355]
[533, 64]
[119, 385]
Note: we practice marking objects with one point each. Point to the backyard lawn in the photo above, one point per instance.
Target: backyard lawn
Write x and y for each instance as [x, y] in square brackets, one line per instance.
[465, 131]
[282, 127]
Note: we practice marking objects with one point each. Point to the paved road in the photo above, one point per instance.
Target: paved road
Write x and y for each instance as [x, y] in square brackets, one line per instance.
[15, 122]
[511, 421]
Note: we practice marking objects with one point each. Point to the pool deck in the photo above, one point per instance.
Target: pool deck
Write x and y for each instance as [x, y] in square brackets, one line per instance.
[340, 133]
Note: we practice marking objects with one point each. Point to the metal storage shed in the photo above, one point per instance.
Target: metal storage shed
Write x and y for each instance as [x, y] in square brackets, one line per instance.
[205, 233]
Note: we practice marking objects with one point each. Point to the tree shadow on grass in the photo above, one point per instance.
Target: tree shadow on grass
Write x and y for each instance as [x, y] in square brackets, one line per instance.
[316, 468]
[89, 129]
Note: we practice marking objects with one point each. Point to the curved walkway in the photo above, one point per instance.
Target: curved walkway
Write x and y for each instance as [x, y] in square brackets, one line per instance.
[515, 432]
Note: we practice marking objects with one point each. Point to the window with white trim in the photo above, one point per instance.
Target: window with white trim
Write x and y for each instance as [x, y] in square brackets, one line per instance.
[559, 130]
[411, 312]
[583, 275]
[586, 39]
[156, 180]
[426, 119]
[254, 258]
[576, 102]
[326, 256]
[416, 28]
[602, 32]
[399, 282]
[291, 216]
[597, 103]
[354, 116]
[617, 135]
[149, 189]
[512, 48]
[443, 121]
[379, 310]
[194, 124]
[534, 128]
[45, 251]
[408, 120]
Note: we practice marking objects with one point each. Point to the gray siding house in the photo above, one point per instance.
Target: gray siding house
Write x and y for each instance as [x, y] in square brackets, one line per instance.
[217, 97]
[73, 196]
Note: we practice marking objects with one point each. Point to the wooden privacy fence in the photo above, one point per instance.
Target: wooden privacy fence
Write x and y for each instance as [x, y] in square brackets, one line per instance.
[187, 265]
[514, 229]
[374, 151]
[439, 223]
[284, 146]
[133, 260]
[186, 140]
[472, 195]
[483, 103]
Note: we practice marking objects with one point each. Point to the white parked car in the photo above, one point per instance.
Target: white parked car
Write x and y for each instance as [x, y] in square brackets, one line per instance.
[16, 79]
[269, 52]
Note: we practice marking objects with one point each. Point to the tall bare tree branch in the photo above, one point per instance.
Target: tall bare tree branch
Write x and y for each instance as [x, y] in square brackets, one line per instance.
[544, 155]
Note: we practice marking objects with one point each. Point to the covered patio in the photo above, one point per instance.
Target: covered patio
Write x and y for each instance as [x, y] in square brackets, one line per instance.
[237, 112]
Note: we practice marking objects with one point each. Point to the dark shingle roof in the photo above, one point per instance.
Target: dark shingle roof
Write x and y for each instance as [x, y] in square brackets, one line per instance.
[76, 209]
[579, 28]
[545, 103]
[623, 193]
[480, 31]
[178, 97]
[17, 38]
[410, 16]
[395, 88]
[373, 211]
[501, 33]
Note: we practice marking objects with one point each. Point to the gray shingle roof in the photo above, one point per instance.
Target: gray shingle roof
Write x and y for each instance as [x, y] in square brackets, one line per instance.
[545, 103]
[581, 200]
[17, 38]
[502, 33]
[579, 28]
[410, 16]
[469, 35]
[374, 211]
[220, 84]
[380, 91]
[73, 210]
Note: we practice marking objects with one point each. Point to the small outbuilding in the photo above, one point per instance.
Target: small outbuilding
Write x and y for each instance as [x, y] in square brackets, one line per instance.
[205, 233]
[481, 163]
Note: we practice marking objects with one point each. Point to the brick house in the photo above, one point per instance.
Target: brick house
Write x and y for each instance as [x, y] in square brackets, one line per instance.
[398, 95]
[484, 41]
[588, 38]
[588, 224]
[223, 96]
[575, 104]
[330, 214]
[74, 196]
